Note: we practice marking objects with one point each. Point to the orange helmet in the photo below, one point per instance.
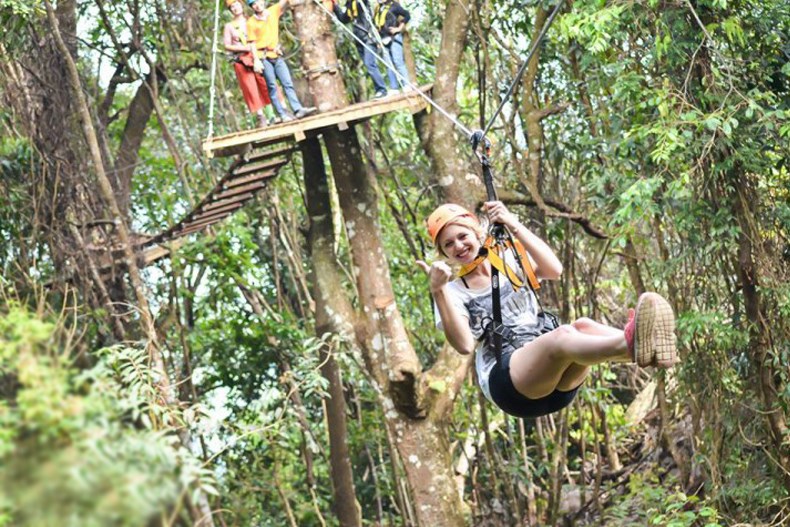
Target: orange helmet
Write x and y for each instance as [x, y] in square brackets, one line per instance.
[445, 214]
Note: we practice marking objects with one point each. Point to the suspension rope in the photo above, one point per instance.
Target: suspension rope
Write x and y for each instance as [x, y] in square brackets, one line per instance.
[403, 80]
[212, 88]
[523, 68]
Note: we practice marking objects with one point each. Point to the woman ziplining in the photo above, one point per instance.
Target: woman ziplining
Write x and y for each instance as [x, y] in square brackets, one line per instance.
[527, 364]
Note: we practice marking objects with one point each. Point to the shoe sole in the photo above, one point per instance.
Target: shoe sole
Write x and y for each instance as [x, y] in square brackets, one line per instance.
[655, 343]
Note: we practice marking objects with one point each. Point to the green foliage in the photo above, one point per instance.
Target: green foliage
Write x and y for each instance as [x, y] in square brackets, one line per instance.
[673, 109]
[79, 448]
[654, 501]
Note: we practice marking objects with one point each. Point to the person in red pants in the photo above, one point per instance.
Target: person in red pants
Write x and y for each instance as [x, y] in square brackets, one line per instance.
[252, 84]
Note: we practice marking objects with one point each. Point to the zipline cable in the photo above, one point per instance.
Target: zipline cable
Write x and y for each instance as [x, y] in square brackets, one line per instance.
[212, 88]
[522, 69]
[403, 80]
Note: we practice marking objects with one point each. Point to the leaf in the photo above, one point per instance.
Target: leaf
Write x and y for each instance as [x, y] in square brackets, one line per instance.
[712, 123]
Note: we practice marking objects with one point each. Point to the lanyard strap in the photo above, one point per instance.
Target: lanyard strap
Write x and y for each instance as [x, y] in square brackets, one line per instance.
[494, 252]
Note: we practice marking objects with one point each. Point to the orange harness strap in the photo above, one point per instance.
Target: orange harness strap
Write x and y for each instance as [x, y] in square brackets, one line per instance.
[492, 253]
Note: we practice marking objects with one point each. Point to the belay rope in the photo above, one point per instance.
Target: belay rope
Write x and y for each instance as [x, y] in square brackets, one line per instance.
[499, 239]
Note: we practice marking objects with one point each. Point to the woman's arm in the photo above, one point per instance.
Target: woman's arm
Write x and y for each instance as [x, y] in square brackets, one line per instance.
[547, 265]
[455, 324]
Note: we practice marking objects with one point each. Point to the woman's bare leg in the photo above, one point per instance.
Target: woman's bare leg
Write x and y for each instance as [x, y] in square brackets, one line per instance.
[591, 327]
[573, 377]
[540, 367]
[575, 374]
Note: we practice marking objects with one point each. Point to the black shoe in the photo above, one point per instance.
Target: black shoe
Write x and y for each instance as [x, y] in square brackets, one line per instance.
[304, 111]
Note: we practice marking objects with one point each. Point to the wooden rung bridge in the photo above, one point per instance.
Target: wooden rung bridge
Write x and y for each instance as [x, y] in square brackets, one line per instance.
[245, 177]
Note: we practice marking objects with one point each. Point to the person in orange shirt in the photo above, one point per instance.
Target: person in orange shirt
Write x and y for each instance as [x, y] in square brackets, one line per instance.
[263, 29]
[253, 85]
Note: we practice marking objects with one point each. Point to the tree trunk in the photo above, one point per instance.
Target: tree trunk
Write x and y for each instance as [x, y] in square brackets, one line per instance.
[749, 242]
[201, 512]
[127, 157]
[333, 315]
[393, 366]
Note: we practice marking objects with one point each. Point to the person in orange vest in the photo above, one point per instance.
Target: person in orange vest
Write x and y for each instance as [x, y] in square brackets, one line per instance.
[253, 85]
[527, 364]
[263, 29]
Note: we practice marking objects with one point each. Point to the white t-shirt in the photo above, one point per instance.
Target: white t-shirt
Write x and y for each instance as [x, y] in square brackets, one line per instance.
[519, 315]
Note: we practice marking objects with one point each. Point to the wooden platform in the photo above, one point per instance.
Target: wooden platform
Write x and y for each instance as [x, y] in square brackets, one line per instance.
[298, 130]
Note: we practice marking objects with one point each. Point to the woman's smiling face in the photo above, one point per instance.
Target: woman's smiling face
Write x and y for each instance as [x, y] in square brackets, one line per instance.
[459, 243]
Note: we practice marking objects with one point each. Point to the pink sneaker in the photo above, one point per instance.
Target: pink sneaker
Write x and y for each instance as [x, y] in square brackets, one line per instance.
[629, 329]
[650, 334]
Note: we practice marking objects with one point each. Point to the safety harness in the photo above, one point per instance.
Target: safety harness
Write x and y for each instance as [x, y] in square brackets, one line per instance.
[499, 241]
[500, 238]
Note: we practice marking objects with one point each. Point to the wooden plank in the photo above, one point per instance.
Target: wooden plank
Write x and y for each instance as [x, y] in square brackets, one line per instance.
[230, 150]
[342, 125]
[349, 114]
[258, 167]
[230, 207]
[252, 187]
[181, 234]
[221, 203]
[248, 179]
[260, 155]
[299, 136]
[202, 225]
[208, 220]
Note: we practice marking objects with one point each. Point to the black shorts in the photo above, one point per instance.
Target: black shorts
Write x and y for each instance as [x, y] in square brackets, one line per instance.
[512, 402]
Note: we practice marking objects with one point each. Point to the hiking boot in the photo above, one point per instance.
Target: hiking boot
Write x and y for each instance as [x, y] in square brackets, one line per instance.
[650, 332]
[304, 111]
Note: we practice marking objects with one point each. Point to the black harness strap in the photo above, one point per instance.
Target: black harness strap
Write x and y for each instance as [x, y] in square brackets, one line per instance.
[495, 329]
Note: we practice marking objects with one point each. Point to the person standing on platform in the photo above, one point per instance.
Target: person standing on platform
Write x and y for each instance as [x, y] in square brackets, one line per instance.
[253, 85]
[360, 13]
[263, 29]
[391, 19]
